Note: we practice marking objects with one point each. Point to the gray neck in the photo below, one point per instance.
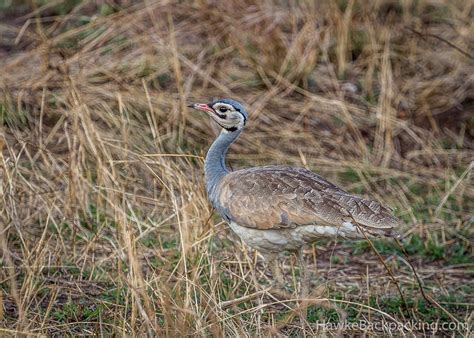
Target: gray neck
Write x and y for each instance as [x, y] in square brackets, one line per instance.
[214, 165]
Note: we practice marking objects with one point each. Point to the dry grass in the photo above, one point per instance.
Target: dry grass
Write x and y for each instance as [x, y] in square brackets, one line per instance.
[105, 226]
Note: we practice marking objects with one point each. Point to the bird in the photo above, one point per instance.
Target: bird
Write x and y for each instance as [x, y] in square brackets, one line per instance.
[278, 208]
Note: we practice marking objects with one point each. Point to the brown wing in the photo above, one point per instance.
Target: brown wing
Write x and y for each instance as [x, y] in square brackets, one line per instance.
[275, 197]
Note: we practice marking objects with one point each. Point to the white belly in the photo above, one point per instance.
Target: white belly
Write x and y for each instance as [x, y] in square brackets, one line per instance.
[291, 239]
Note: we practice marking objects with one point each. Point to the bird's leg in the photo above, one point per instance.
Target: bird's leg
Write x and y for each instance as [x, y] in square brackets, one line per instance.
[278, 288]
[276, 270]
[304, 285]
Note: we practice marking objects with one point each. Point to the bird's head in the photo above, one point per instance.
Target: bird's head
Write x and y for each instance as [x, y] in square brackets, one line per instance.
[229, 114]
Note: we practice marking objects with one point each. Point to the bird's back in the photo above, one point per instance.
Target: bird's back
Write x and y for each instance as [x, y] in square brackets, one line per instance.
[280, 197]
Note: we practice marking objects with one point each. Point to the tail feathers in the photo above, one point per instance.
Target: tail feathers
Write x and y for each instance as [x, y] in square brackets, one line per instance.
[390, 233]
[362, 230]
[393, 234]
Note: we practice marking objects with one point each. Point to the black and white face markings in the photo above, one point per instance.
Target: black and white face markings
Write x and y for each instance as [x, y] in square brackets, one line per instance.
[222, 109]
[228, 117]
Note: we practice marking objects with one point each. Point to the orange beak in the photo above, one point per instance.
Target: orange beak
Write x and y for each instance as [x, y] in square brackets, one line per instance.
[202, 107]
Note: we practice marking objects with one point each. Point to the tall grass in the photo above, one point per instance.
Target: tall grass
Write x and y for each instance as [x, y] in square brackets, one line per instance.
[105, 226]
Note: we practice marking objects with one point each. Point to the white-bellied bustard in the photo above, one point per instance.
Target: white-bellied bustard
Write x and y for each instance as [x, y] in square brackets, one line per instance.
[279, 208]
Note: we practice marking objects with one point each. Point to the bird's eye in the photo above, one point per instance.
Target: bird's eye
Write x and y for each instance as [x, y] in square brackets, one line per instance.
[222, 109]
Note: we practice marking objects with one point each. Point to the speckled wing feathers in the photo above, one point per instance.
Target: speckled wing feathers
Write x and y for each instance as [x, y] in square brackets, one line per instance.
[277, 197]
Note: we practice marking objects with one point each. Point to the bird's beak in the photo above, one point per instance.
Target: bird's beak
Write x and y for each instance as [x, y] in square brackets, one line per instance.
[202, 107]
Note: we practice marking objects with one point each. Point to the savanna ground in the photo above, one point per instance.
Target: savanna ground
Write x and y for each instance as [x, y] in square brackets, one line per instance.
[105, 226]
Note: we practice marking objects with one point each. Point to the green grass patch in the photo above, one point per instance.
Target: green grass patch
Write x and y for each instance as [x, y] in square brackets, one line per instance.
[12, 117]
[77, 312]
[416, 246]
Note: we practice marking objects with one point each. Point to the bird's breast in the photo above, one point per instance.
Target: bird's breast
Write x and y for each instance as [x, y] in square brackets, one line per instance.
[291, 239]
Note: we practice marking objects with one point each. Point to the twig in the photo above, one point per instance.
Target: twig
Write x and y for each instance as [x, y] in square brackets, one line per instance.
[395, 281]
[424, 35]
[455, 185]
[428, 298]
[243, 298]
